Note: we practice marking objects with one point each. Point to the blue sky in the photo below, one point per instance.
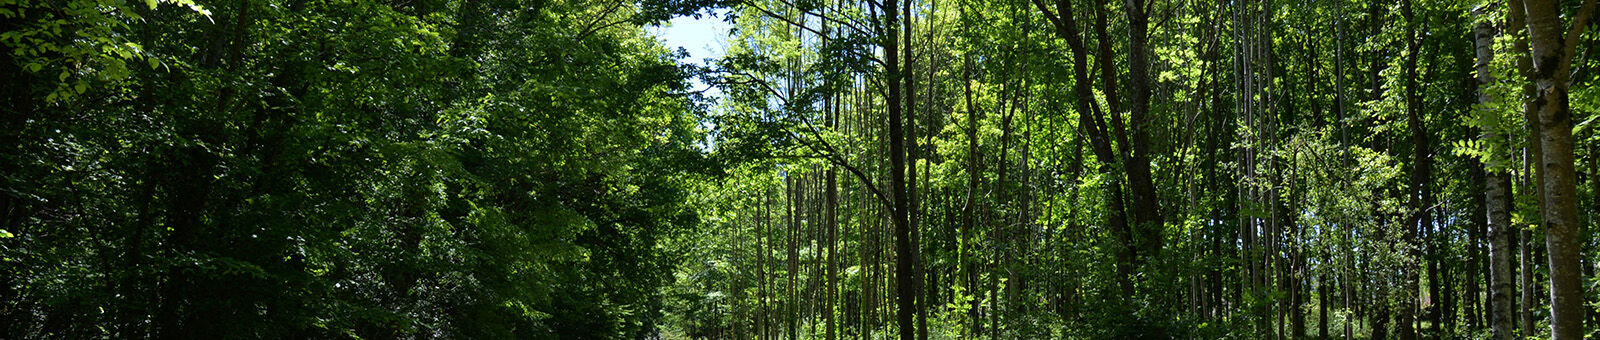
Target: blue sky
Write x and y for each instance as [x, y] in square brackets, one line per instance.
[704, 38]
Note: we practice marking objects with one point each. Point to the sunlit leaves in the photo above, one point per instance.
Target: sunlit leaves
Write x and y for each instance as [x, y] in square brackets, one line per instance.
[354, 153]
[80, 40]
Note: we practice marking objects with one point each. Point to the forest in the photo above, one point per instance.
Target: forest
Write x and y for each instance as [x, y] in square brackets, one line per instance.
[845, 169]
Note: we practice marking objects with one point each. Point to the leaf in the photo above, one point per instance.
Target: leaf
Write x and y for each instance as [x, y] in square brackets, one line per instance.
[151, 3]
[6, 234]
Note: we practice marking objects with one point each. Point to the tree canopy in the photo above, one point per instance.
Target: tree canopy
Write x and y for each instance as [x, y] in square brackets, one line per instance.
[912, 169]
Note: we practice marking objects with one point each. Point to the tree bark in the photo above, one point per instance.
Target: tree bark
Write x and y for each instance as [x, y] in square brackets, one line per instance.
[831, 203]
[1517, 22]
[969, 208]
[1128, 249]
[763, 325]
[905, 276]
[792, 253]
[1091, 119]
[1146, 203]
[1322, 307]
[1417, 221]
[1497, 202]
[833, 254]
[912, 199]
[1552, 47]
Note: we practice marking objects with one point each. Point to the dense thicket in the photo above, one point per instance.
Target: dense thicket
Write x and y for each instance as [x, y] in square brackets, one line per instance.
[1152, 169]
[323, 169]
[868, 169]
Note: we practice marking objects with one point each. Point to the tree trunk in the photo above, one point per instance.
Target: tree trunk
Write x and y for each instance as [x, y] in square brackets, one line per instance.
[1091, 118]
[1146, 203]
[833, 254]
[1418, 220]
[791, 253]
[1127, 253]
[1380, 321]
[1516, 22]
[1479, 222]
[1552, 47]
[1322, 307]
[763, 323]
[831, 210]
[912, 199]
[905, 276]
[968, 264]
[1497, 201]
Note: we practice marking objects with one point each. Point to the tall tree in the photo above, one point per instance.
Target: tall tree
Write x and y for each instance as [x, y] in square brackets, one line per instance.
[1552, 53]
[1419, 222]
[905, 277]
[1497, 194]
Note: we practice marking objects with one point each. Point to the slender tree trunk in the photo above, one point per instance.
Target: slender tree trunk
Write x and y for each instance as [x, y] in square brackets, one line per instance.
[795, 204]
[1092, 119]
[1418, 221]
[905, 276]
[1552, 48]
[1497, 202]
[763, 323]
[1529, 300]
[831, 207]
[1127, 253]
[1146, 204]
[833, 254]
[1517, 25]
[1003, 232]
[1380, 321]
[1347, 285]
[969, 212]
[1473, 276]
[913, 199]
[1322, 306]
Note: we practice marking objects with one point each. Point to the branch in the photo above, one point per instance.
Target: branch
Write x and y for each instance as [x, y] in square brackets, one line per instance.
[853, 25]
[590, 27]
[831, 154]
[1575, 33]
[785, 19]
[827, 151]
[1048, 15]
[753, 79]
[791, 22]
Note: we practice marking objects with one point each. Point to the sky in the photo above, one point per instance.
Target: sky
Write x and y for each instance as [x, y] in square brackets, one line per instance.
[705, 37]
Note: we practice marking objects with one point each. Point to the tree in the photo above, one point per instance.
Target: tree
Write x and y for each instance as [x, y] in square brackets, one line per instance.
[1552, 48]
[1497, 201]
[1010, 169]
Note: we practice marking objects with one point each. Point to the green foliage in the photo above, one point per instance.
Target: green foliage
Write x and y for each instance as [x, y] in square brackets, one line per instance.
[537, 169]
[319, 169]
[1282, 153]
